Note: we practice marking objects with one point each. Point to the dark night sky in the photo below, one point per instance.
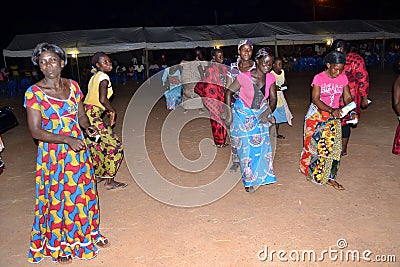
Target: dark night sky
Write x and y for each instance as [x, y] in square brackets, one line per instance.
[43, 16]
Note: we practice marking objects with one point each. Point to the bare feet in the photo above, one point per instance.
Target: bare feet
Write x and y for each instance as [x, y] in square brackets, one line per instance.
[234, 167]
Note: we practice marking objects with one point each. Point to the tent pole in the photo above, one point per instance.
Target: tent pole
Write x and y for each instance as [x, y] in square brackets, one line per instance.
[5, 62]
[77, 66]
[383, 53]
[146, 56]
[72, 68]
[276, 47]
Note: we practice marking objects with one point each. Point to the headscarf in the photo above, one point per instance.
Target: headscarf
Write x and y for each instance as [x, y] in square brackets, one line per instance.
[245, 41]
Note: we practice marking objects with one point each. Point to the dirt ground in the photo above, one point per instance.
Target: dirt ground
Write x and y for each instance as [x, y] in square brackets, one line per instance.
[290, 216]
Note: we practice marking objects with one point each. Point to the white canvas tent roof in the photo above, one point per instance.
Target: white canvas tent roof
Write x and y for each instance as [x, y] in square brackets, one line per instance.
[114, 40]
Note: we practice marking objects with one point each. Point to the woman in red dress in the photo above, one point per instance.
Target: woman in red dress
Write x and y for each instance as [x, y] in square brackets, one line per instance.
[212, 89]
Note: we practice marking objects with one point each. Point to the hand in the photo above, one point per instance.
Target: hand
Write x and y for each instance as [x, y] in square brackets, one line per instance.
[355, 116]
[91, 131]
[263, 118]
[266, 117]
[226, 117]
[76, 144]
[336, 113]
[112, 116]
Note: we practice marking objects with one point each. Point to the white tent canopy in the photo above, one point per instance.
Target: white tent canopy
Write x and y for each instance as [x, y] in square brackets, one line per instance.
[114, 40]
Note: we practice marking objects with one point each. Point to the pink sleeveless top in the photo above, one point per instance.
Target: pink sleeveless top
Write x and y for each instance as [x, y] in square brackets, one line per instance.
[246, 93]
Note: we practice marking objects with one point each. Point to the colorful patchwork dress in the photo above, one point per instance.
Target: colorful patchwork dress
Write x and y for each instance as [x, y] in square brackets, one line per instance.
[322, 140]
[66, 219]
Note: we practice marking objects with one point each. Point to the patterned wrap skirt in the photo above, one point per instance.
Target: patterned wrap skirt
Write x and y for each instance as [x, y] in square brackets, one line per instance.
[252, 141]
[322, 146]
[107, 154]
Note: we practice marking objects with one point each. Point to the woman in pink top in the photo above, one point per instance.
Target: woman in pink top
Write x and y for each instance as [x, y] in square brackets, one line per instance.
[322, 143]
[250, 120]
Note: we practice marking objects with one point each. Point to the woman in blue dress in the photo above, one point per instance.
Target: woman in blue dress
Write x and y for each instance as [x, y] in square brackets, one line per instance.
[250, 120]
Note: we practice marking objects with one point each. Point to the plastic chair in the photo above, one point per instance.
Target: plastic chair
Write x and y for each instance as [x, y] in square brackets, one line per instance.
[12, 88]
[23, 85]
[296, 65]
[371, 60]
[4, 90]
[320, 63]
[120, 78]
[312, 63]
[303, 64]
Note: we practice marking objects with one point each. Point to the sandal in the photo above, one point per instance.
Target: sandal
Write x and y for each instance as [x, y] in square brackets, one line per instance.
[100, 179]
[249, 189]
[103, 243]
[221, 146]
[64, 259]
[335, 185]
[280, 136]
[116, 185]
[252, 188]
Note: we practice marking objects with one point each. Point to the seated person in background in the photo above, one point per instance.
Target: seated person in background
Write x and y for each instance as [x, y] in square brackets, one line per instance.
[121, 74]
[153, 68]
[140, 70]
[131, 72]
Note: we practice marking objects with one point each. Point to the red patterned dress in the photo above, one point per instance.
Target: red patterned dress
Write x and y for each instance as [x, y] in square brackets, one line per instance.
[357, 74]
[396, 141]
[66, 219]
[212, 89]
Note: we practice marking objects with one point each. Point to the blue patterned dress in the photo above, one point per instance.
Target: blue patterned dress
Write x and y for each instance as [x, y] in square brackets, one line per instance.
[252, 140]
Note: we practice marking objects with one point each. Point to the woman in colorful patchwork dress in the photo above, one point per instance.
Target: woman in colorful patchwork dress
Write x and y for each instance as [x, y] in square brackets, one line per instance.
[252, 119]
[212, 90]
[322, 143]
[66, 223]
[242, 64]
[106, 152]
[282, 112]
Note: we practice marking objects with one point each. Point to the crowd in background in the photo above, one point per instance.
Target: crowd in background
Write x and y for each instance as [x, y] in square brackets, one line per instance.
[132, 65]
